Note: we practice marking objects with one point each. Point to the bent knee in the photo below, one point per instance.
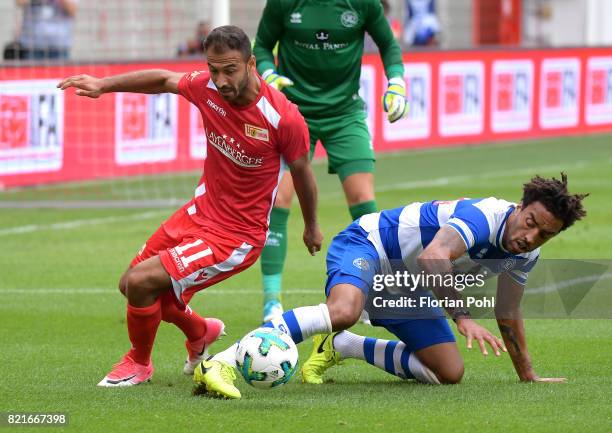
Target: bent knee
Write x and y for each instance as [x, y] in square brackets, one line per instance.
[451, 374]
[123, 284]
[135, 283]
[343, 316]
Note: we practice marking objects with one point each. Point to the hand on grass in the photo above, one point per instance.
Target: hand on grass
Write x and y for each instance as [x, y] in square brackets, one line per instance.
[535, 378]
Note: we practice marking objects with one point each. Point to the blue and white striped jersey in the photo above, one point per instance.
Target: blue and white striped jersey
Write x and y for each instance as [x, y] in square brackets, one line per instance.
[399, 235]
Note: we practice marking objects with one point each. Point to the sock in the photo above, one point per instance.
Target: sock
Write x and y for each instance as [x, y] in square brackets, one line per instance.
[228, 355]
[303, 322]
[272, 287]
[191, 323]
[299, 323]
[142, 326]
[274, 254]
[363, 208]
[389, 355]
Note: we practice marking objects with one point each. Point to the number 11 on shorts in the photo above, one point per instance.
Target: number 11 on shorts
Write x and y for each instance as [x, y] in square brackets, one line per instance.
[186, 260]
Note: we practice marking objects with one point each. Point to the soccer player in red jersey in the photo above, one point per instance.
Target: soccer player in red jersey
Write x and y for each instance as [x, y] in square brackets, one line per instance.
[252, 131]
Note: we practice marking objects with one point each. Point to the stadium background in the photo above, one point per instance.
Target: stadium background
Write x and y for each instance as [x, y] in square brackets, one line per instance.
[64, 244]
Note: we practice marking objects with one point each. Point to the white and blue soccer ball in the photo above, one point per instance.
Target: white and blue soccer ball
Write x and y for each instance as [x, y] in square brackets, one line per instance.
[267, 358]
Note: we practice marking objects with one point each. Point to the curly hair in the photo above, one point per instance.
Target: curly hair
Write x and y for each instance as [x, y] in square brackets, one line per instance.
[553, 194]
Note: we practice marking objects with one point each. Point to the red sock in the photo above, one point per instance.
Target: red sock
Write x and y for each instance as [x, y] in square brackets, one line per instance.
[142, 326]
[191, 323]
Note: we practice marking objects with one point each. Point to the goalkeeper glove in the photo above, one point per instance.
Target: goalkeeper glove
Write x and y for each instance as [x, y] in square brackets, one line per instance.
[275, 80]
[394, 99]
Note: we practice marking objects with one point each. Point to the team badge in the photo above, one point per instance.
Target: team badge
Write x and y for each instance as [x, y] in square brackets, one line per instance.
[361, 263]
[349, 19]
[256, 132]
[296, 18]
[508, 264]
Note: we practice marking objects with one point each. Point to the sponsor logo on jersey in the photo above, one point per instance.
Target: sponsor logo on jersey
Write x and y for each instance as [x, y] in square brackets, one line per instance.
[256, 132]
[231, 148]
[215, 107]
[296, 18]
[322, 35]
[361, 263]
[325, 46]
[349, 19]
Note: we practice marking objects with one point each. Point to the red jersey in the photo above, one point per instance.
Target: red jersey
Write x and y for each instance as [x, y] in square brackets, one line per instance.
[247, 148]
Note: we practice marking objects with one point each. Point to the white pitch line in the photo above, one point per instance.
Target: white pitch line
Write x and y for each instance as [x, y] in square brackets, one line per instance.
[440, 181]
[68, 225]
[102, 291]
[448, 180]
[563, 284]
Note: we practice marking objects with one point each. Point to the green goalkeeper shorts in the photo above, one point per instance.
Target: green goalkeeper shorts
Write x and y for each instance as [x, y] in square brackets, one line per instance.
[346, 140]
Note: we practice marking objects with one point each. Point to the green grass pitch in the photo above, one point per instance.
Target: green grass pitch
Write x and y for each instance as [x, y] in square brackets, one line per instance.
[63, 321]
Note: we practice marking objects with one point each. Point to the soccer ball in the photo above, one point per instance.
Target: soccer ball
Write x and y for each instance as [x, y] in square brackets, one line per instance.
[267, 358]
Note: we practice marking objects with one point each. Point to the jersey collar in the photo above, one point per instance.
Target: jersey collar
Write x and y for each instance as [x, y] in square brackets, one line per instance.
[502, 227]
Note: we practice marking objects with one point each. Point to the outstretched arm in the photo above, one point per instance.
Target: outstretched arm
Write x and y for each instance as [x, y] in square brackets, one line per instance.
[436, 259]
[306, 190]
[512, 328]
[145, 81]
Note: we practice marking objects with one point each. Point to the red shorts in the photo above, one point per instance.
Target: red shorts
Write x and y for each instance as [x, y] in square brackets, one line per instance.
[196, 258]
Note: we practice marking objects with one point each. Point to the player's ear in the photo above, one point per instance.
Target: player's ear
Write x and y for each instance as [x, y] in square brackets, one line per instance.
[251, 63]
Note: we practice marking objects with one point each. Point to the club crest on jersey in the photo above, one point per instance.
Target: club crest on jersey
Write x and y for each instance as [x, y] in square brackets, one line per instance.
[322, 35]
[508, 264]
[256, 132]
[349, 19]
[361, 263]
[296, 18]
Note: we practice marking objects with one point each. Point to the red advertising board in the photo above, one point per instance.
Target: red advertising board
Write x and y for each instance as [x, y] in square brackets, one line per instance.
[457, 97]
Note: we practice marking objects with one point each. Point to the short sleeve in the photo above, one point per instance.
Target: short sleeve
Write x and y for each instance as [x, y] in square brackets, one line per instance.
[294, 140]
[471, 224]
[522, 268]
[192, 85]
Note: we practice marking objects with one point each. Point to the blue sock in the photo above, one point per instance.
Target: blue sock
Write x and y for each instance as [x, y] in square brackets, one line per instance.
[390, 355]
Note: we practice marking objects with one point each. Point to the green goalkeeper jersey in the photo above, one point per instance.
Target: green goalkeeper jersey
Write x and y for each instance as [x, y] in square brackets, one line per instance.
[320, 49]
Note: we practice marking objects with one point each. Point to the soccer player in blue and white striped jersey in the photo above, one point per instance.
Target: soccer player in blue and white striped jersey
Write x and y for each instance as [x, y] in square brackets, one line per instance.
[437, 237]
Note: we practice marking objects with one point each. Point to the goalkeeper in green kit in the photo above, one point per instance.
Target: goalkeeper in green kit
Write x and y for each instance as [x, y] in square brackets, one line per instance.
[320, 46]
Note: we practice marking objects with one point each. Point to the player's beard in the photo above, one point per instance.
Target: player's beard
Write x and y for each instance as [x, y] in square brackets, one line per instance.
[238, 91]
[243, 85]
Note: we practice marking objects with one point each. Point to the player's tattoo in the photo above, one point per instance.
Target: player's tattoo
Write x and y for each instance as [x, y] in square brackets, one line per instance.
[508, 332]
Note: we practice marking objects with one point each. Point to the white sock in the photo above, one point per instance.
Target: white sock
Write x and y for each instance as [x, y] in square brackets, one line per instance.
[389, 355]
[299, 323]
[228, 355]
[303, 322]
